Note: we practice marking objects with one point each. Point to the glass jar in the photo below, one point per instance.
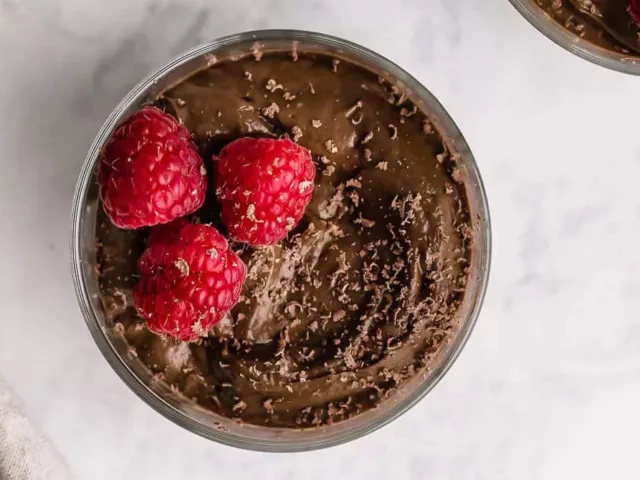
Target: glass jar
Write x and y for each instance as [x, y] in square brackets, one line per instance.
[573, 43]
[187, 413]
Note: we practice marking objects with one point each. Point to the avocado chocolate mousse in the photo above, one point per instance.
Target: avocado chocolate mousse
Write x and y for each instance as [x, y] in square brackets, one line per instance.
[609, 24]
[365, 291]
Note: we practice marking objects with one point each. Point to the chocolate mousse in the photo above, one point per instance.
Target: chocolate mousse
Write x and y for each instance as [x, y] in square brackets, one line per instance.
[605, 23]
[362, 295]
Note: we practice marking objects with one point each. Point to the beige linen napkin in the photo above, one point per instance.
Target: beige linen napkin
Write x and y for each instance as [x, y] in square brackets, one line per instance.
[24, 453]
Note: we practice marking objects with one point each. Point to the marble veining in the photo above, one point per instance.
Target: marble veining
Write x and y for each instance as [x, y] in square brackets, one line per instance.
[549, 384]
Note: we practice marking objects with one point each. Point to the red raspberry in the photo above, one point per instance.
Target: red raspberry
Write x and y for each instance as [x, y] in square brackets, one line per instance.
[189, 280]
[263, 186]
[634, 10]
[150, 171]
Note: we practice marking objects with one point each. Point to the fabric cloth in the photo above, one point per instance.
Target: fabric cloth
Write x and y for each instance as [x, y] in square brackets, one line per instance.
[24, 452]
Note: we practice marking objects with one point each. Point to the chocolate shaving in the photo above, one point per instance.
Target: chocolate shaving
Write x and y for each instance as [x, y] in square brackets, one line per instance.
[404, 112]
[367, 138]
[357, 119]
[271, 110]
[352, 110]
[268, 406]
[296, 132]
[364, 222]
[272, 86]
[329, 170]
[331, 146]
[457, 175]
[183, 267]
[240, 406]
[257, 52]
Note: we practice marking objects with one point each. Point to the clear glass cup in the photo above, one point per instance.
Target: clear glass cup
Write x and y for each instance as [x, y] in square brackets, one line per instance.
[157, 394]
[573, 43]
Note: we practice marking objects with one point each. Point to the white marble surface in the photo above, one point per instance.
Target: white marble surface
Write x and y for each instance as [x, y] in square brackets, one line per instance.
[549, 384]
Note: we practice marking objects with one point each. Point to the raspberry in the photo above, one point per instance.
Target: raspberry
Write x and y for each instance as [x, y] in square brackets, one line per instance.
[189, 280]
[634, 10]
[150, 171]
[263, 186]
